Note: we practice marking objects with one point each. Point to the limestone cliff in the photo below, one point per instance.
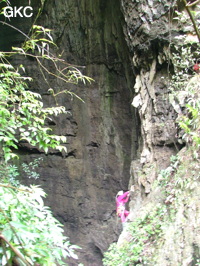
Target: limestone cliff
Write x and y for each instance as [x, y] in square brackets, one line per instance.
[149, 32]
[124, 132]
[102, 132]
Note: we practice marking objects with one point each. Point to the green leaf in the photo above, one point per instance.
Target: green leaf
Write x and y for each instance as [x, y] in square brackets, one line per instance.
[8, 233]
[4, 260]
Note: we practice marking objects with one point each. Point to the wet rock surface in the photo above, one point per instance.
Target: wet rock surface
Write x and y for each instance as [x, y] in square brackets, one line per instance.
[101, 131]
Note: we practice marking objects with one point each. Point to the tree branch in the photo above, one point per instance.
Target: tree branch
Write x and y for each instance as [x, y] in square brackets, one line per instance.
[19, 189]
[192, 4]
[192, 18]
[18, 254]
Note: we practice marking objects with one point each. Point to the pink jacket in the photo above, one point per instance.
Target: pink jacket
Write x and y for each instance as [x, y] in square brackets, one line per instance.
[120, 206]
[122, 199]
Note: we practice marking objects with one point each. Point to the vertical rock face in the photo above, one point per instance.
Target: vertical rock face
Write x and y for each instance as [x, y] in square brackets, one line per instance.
[101, 131]
[147, 34]
[122, 45]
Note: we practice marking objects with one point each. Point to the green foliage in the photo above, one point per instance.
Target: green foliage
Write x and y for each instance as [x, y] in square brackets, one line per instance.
[147, 233]
[185, 89]
[143, 232]
[38, 46]
[185, 82]
[22, 114]
[190, 123]
[8, 174]
[181, 175]
[40, 40]
[165, 174]
[29, 170]
[29, 233]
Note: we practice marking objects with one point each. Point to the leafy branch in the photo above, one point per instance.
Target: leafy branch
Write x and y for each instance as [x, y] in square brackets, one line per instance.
[15, 250]
[19, 189]
[30, 233]
[67, 73]
[189, 4]
[22, 112]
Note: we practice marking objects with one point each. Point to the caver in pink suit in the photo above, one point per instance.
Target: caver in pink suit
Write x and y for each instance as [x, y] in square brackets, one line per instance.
[120, 205]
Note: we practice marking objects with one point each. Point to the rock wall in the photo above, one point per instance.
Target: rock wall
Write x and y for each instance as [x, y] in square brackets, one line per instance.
[102, 131]
[148, 32]
[123, 46]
